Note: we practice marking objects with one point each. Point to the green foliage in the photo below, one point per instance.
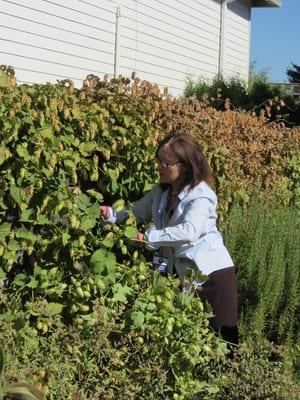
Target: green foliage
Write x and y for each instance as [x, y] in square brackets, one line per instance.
[265, 245]
[259, 96]
[104, 362]
[82, 313]
[216, 92]
[61, 155]
[293, 171]
[21, 391]
[62, 152]
[261, 90]
[88, 135]
[294, 73]
[257, 371]
[143, 338]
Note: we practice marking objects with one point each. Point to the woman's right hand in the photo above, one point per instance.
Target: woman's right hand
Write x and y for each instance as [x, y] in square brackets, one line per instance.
[105, 212]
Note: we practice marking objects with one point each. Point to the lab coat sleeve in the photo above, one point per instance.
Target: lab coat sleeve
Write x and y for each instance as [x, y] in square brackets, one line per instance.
[142, 209]
[195, 223]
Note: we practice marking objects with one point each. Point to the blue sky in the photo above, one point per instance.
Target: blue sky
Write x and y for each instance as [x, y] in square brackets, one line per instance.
[275, 39]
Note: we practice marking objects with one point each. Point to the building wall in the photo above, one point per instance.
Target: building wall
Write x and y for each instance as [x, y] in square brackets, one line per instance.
[168, 39]
[48, 40]
[162, 40]
[237, 39]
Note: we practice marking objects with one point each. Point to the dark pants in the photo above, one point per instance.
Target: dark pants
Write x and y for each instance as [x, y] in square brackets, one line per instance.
[220, 292]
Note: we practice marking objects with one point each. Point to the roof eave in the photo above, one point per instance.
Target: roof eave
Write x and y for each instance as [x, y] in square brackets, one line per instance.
[266, 3]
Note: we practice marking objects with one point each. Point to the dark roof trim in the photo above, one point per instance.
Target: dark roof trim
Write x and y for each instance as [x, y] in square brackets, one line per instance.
[266, 3]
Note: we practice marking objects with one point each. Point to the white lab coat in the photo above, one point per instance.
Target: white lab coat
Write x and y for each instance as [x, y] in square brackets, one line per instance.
[189, 238]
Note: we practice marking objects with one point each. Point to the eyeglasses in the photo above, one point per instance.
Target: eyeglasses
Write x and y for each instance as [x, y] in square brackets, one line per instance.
[166, 164]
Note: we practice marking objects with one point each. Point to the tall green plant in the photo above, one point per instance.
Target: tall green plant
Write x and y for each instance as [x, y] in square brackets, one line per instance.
[265, 246]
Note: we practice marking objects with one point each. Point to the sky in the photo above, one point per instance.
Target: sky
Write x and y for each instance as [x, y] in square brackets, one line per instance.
[275, 39]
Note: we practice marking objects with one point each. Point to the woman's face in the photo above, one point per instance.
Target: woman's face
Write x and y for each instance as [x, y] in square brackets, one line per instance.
[171, 169]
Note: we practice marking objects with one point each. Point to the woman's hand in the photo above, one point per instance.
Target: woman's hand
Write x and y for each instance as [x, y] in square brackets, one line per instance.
[139, 240]
[139, 236]
[105, 211]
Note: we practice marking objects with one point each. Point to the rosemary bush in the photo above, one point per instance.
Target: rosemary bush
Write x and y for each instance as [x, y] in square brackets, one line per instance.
[265, 245]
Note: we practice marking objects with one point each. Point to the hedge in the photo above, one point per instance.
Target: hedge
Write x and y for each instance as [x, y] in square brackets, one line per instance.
[64, 151]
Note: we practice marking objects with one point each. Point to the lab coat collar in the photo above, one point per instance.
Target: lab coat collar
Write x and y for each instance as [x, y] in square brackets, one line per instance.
[184, 192]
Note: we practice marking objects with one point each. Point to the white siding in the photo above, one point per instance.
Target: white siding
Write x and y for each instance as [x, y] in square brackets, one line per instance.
[165, 40]
[237, 40]
[162, 40]
[48, 40]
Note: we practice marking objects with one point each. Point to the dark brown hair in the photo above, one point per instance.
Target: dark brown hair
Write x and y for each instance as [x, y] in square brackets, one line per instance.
[189, 152]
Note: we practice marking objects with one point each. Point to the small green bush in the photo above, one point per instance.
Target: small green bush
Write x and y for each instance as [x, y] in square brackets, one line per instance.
[258, 96]
[218, 91]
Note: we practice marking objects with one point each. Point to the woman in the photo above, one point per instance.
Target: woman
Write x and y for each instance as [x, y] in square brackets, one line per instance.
[184, 234]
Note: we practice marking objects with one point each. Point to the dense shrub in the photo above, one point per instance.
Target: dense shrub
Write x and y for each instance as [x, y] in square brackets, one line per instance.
[106, 361]
[62, 154]
[246, 153]
[102, 362]
[142, 339]
[258, 371]
[63, 151]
